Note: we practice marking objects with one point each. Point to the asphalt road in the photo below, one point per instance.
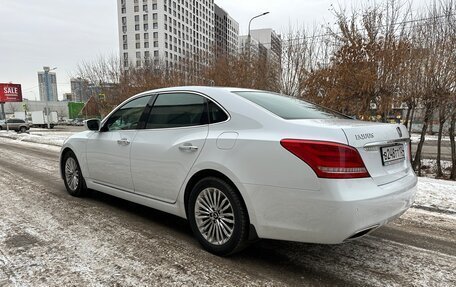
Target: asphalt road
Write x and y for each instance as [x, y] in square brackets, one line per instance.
[48, 238]
[430, 150]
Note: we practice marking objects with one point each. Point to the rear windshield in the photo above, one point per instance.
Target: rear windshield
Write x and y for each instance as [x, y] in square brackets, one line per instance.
[289, 108]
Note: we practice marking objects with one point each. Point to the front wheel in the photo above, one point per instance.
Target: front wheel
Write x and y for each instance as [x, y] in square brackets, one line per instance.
[218, 217]
[72, 176]
[23, 129]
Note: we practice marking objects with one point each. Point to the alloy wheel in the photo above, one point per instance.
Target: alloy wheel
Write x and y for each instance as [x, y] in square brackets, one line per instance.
[72, 173]
[214, 216]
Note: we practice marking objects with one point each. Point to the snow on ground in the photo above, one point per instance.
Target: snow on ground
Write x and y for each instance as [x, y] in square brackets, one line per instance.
[429, 167]
[42, 137]
[416, 138]
[436, 194]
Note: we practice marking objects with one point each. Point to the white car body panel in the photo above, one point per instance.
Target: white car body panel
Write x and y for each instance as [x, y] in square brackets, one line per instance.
[284, 197]
[109, 162]
[159, 166]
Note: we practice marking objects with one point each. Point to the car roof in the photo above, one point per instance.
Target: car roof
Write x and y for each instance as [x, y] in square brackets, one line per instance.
[208, 90]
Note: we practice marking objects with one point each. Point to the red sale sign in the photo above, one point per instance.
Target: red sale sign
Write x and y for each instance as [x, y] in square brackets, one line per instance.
[10, 93]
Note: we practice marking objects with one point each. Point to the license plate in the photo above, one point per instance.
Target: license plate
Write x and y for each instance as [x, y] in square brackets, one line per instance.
[392, 154]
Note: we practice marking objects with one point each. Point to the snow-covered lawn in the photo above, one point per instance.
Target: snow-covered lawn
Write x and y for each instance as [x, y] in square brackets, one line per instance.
[416, 137]
[436, 194]
[55, 138]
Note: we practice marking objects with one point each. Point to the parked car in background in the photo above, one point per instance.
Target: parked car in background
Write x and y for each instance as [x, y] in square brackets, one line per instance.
[17, 125]
[241, 164]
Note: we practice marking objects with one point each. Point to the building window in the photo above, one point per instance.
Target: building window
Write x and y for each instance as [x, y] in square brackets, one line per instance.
[154, 6]
[124, 37]
[138, 45]
[146, 45]
[155, 16]
[124, 29]
[124, 10]
[137, 27]
[138, 54]
[136, 18]
[145, 8]
[136, 9]
[146, 17]
[155, 35]
[146, 27]
[146, 54]
[146, 36]
[155, 53]
[155, 43]
[125, 46]
[155, 25]
[137, 37]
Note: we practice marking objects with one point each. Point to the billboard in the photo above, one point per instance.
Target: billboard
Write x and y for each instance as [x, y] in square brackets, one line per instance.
[10, 93]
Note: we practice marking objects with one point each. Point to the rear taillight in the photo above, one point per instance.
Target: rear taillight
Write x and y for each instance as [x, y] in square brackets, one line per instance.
[328, 159]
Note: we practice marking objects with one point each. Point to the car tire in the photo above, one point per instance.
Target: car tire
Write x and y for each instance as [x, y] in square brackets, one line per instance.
[218, 217]
[23, 129]
[72, 176]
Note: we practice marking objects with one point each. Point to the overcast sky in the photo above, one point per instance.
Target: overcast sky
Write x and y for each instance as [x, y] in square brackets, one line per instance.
[63, 33]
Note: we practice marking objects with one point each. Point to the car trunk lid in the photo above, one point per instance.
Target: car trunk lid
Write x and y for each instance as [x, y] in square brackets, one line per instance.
[384, 148]
[370, 139]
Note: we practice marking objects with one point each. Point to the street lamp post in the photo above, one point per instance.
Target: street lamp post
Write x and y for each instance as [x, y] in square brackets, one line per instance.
[249, 37]
[46, 82]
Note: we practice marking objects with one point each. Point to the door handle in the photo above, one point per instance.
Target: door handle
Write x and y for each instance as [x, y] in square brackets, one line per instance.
[123, 141]
[188, 147]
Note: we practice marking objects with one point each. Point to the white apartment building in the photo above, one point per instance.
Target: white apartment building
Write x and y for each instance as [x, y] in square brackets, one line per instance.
[165, 33]
[52, 81]
[226, 33]
[256, 48]
[264, 42]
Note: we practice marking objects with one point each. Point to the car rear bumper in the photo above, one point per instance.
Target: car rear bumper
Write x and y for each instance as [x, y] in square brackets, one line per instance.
[339, 210]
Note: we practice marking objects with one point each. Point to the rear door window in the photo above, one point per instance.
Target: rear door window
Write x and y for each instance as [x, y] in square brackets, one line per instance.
[178, 110]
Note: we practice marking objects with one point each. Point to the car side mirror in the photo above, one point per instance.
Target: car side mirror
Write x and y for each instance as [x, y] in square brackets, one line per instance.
[92, 124]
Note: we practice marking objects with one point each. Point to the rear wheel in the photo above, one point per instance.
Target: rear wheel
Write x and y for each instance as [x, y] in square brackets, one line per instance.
[72, 176]
[23, 129]
[217, 216]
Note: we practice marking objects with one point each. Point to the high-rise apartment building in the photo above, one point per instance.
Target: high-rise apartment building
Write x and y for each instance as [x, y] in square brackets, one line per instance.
[226, 33]
[254, 48]
[52, 81]
[271, 41]
[80, 90]
[165, 33]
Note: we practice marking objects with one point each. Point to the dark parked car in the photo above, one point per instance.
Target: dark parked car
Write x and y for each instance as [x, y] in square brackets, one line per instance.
[17, 125]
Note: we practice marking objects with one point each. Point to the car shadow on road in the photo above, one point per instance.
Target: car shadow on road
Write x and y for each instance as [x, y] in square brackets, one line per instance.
[290, 262]
[143, 214]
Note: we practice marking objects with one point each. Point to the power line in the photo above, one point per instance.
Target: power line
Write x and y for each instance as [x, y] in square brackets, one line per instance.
[339, 33]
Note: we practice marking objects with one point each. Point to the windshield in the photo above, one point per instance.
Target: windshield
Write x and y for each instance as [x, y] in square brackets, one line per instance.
[289, 108]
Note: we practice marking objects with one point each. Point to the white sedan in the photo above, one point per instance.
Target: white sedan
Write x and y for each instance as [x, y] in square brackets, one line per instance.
[243, 164]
